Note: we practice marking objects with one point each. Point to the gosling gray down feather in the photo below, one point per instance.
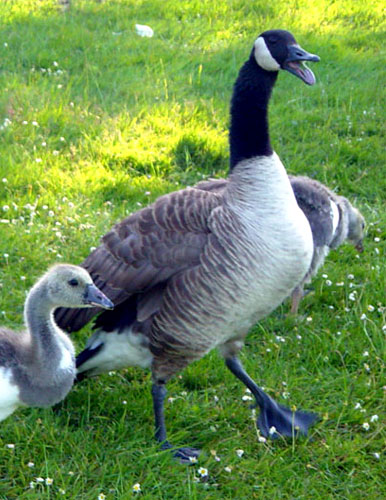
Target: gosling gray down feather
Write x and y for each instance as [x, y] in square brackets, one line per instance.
[37, 365]
[332, 218]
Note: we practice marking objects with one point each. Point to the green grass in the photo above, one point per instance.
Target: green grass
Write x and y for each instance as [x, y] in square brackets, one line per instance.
[127, 119]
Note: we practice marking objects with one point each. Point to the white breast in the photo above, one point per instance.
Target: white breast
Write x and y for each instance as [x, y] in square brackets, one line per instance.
[9, 394]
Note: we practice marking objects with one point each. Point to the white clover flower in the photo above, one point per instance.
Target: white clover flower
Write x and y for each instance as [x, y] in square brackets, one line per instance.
[136, 488]
[374, 418]
[366, 426]
[239, 453]
[203, 472]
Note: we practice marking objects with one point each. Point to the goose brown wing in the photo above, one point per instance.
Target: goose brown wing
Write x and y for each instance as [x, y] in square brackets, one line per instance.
[146, 249]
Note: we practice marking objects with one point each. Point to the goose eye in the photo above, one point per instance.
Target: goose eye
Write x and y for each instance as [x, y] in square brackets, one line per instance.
[73, 282]
[272, 39]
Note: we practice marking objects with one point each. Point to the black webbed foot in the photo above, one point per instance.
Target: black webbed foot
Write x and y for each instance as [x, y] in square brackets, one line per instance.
[274, 420]
[184, 455]
[277, 420]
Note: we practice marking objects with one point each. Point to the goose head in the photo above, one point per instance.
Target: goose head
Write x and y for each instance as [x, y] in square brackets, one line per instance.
[72, 286]
[277, 49]
[356, 228]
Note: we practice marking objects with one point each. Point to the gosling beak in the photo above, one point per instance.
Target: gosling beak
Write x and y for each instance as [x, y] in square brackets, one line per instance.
[295, 63]
[94, 297]
[359, 246]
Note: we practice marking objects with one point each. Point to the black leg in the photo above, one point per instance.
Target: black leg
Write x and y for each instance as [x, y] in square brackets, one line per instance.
[285, 421]
[184, 455]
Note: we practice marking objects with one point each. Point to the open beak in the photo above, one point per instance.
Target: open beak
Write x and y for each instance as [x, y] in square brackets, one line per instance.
[295, 63]
[94, 297]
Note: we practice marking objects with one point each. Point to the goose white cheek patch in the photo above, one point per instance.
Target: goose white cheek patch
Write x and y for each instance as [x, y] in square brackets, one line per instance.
[263, 56]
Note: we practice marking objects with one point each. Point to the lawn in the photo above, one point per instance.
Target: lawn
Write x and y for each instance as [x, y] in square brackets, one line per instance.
[95, 122]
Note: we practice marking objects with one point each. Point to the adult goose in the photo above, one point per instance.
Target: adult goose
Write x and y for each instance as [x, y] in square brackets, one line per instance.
[195, 270]
[37, 365]
[332, 218]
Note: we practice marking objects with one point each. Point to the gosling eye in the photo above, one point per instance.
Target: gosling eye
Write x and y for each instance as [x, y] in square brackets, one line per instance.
[73, 282]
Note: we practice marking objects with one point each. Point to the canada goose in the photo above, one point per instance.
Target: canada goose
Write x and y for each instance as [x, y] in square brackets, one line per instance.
[332, 218]
[37, 365]
[195, 270]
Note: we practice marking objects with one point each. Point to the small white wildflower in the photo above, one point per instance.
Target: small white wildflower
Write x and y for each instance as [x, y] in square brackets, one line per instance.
[136, 488]
[193, 460]
[377, 455]
[4, 179]
[366, 426]
[35, 123]
[22, 278]
[365, 353]
[139, 204]
[124, 402]
[49, 481]
[5, 208]
[147, 193]
[203, 472]
[331, 307]
[5, 44]
[357, 406]
[268, 349]
[286, 395]
[70, 204]
[39, 479]
[363, 317]
[44, 144]
[171, 399]
[24, 122]
[101, 496]
[239, 453]
[215, 399]
[32, 485]
[51, 213]
[376, 250]
[350, 276]
[11, 446]
[62, 491]
[328, 282]
[62, 139]
[71, 473]
[309, 319]
[55, 152]
[366, 367]
[383, 327]
[374, 418]
[377, 240]
[247, 398]
[352, 296]
[228, 468]
[325, 276]
[262, 439]
[272, 430]
[218, 459]
[370, 308]
[30, 464]
[38, 160]
[55, 64]
[299, 337]
[60, 86]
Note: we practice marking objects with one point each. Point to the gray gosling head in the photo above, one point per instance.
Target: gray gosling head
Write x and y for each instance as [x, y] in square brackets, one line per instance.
[72, 286]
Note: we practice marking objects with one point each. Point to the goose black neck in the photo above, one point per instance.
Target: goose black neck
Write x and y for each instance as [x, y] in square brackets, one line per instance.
[249, 133]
